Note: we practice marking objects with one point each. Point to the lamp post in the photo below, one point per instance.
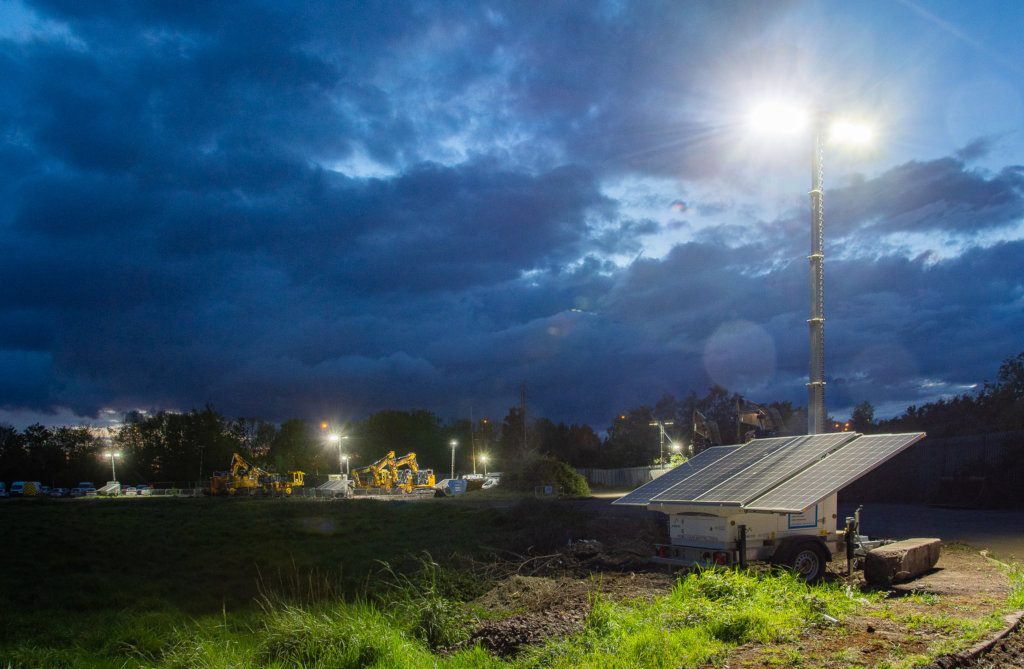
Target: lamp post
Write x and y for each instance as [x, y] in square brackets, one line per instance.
[336, 438]
[453, 443]
[775, 117]
[661, 438]
[483, 461]
[113, 455]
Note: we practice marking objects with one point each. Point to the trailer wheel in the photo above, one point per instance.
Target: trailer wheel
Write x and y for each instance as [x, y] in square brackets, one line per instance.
[808, 560]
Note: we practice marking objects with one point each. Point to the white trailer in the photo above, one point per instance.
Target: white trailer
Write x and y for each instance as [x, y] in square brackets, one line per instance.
[770, 500]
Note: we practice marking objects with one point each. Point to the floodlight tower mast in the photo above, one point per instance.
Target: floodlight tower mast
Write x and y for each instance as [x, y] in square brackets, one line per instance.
[816, 323]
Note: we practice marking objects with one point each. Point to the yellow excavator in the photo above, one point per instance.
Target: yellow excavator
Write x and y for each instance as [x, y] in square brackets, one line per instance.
[410, 477]
[244, 478]
[379, 475]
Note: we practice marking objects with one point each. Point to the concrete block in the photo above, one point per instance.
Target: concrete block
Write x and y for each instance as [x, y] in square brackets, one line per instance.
[901, 561]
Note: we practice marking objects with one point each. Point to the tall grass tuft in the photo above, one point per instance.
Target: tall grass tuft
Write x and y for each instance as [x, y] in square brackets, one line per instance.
[427, 603]
[1015, 600]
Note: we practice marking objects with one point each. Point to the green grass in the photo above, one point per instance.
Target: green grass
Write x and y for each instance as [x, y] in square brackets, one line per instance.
[205, 554]
[703, 615]
[296, 583]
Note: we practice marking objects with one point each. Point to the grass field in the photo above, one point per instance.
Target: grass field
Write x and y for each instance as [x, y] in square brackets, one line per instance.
[300, 583]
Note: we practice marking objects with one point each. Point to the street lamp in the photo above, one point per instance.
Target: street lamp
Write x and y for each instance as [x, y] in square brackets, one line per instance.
[483, 461]
[113, 455]
[661, 438]
[453, 443]
[783, 119]
[336, 438]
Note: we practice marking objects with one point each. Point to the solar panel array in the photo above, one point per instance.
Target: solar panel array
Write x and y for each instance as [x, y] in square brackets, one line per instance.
[784, 474]
[642, 495]
[834, 472]
[769, 472]
[723, 470]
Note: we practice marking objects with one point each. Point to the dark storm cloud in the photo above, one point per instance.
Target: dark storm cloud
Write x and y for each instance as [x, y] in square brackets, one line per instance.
[284, 210]
[942, 194]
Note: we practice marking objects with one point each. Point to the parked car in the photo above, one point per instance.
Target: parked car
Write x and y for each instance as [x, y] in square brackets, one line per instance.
[129, 491]
[44, 490]
[75, 492]
[58, 492]
[25, 488]
[89, 492]
[144, 489]
[3, 489]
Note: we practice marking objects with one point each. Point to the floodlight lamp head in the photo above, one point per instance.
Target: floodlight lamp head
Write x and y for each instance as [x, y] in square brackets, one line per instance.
[778, 119]
[334, 438]
[844, 131]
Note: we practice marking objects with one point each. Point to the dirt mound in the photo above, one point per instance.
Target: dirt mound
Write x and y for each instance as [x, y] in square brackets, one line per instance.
[506, 637]
[528, 610]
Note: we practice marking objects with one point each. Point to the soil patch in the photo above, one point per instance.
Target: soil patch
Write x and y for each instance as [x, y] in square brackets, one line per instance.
[527, 610]
[917, 619]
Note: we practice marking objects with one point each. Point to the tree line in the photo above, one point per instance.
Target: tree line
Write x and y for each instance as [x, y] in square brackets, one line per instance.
[182, 447]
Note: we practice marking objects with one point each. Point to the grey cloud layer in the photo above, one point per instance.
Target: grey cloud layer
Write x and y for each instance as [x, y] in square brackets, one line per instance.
[177, 234]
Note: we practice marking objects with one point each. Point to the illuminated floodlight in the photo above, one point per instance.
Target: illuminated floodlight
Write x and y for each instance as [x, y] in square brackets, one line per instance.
[334, 438]
[850, 132]
[778, 118]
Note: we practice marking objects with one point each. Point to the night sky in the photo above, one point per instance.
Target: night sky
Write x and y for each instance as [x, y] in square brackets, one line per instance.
[326, 209]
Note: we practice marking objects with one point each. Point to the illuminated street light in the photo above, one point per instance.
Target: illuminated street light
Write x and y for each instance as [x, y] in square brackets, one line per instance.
[336, 438]
[661, 438]
[782, 120]
[483, 461]
[453, 443]
[113, 455]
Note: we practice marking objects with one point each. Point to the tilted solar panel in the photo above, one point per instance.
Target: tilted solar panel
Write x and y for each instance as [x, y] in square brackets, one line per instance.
[725, 468]
[834, 472]
[769, 471]
[642, 495]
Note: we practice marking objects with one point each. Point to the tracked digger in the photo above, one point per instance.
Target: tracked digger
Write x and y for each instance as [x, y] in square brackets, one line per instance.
[380, 475]
[244, 478]
[411, 478]
[391, 474]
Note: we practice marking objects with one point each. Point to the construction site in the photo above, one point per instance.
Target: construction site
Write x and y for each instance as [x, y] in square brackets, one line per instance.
[387, 477]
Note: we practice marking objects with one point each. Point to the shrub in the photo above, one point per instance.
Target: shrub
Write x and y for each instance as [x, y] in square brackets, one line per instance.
[537, 471]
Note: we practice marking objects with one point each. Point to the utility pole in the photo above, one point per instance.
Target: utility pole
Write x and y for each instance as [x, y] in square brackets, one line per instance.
[522, 414]
[472, 437]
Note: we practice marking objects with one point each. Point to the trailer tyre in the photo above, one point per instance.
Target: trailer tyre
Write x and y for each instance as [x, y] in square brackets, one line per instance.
[807, 559]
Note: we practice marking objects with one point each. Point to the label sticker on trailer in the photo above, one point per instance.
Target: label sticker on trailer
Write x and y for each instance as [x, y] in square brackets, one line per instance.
[806, 518]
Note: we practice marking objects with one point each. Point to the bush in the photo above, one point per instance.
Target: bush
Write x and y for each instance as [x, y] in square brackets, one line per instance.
[537, 471]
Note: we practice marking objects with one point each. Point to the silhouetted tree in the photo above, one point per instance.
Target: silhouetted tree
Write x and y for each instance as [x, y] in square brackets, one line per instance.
[863, 418]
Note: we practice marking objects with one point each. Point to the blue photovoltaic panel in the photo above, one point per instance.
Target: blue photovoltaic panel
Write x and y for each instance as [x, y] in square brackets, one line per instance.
[769, 471]
[642, 495]
[834, 472]
[717, 473]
